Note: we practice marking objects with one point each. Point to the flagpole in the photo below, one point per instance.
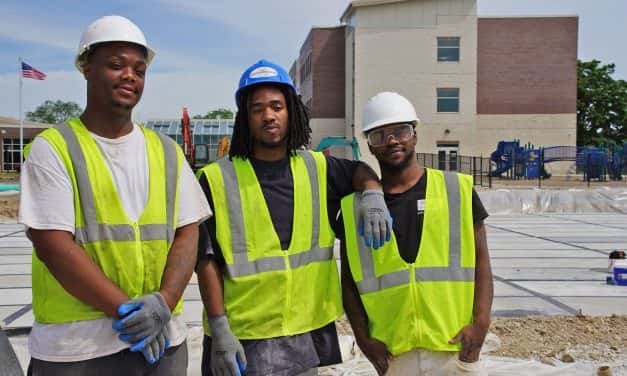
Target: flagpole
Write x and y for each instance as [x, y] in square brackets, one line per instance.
[21, 117]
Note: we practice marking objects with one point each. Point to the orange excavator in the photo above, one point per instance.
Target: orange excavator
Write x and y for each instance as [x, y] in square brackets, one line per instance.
[188, 144]
[198, 155]
[223, 148]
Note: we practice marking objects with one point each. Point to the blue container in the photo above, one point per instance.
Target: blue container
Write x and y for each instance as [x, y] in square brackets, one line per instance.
[620, 276]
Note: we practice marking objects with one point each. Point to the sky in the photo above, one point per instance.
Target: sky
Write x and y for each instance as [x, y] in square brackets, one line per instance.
[203, 46]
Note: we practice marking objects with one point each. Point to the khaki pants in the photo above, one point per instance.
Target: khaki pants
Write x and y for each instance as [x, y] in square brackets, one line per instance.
[433, 363]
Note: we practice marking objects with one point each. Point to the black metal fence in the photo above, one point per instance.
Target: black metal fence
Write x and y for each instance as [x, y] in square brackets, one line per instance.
[477, 167]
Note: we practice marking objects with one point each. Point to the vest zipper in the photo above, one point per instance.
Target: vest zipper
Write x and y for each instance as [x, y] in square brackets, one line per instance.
[414, 297]
[288, 292]
[140, 261]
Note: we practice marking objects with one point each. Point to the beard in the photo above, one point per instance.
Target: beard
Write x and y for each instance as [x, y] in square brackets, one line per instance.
[400, 165]
[123, 105]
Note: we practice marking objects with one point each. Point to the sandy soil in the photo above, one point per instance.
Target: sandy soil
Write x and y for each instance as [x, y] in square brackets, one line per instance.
[564, 338]
[553, 340]
[9, 203]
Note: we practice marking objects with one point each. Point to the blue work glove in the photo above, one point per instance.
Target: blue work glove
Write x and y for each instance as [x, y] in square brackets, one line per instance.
[154, 350]
[227, 353]
[142, 319]
[375, 222]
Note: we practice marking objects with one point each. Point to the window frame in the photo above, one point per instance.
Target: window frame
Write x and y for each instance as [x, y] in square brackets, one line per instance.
[443, 97]
[439, 47]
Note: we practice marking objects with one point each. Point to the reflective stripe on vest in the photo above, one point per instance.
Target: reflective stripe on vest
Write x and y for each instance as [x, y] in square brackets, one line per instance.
[453, 272]
[242, 266]
[92, 231]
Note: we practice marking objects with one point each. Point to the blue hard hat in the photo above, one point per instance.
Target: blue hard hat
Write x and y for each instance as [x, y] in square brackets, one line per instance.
[261, 72]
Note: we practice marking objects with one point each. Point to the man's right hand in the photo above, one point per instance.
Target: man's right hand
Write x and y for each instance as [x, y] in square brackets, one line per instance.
[227, 353]
[142, 319]
[154, 350]
[377, 353]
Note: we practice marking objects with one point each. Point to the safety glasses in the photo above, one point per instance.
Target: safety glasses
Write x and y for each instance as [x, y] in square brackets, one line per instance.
[400, 132]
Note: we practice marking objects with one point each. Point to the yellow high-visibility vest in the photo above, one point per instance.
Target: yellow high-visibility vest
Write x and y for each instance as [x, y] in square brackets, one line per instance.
[422, 304]
[270, 292]
[132, 255]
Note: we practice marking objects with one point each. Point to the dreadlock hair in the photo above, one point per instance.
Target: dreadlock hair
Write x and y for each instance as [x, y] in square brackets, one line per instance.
[298, 129]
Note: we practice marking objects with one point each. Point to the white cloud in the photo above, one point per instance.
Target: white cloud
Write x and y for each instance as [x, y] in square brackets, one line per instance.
[166, 94]
[15, 26]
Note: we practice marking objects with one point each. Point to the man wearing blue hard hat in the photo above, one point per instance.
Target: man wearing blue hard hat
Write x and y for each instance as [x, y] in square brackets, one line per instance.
[266, 257]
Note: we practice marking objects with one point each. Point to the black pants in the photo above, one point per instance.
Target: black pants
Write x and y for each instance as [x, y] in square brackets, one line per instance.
[126, 362]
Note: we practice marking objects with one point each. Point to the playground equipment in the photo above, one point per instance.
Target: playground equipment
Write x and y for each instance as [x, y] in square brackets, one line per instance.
[517, 162]
[329, 141]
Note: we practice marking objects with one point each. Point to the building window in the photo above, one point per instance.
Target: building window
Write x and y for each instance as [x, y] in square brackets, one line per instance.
[11, 153]
[448, 100]
[305, 69]
[448, 49]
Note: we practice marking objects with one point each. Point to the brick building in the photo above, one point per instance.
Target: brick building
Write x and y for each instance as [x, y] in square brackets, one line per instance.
[473, 80]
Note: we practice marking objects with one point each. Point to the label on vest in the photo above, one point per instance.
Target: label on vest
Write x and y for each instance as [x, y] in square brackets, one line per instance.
[420, 206]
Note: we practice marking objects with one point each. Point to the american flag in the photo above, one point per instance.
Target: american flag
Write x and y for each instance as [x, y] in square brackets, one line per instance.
[30, 72]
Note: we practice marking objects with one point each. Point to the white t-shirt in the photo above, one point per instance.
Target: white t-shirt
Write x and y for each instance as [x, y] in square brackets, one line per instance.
[47, 203]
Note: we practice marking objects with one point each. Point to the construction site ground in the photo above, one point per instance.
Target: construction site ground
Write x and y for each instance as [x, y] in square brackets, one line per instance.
[553, 313]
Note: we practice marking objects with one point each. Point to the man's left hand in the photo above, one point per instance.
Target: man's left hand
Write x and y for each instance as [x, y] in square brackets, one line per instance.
[142, 318]
[375, 222]
[471, 337]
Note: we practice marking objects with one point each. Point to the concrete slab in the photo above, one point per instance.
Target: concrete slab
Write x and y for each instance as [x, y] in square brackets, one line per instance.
[15, 251]
[24, 321]
[6, 311]
[575, 289]
[550, 263]
[525, 306]
[597, 306]
[14, 259]
[15, 269]
[544, 253]
[548, 274]
[504, 290]
[543, 264]
[15, 296]
[12, 281]
[192, 312]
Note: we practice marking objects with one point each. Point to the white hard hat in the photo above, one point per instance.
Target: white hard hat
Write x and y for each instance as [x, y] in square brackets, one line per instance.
[388, 108]
[111, 29]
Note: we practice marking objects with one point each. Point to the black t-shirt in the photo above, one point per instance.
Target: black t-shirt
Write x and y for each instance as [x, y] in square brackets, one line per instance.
[407, 212]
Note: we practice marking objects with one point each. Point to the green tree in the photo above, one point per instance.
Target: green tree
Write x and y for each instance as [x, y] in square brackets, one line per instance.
[220, 113]
[601, 105]
[54, 112]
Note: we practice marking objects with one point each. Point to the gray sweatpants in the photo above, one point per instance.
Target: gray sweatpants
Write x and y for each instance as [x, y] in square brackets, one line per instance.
[173, 363]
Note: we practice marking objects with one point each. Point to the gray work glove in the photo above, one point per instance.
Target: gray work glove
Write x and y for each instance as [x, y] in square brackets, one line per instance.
[142, 319]
[154, 350]
[375, 222]
[227, 353]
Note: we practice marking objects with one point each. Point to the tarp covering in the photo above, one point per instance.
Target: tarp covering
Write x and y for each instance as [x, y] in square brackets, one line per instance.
[536, 201]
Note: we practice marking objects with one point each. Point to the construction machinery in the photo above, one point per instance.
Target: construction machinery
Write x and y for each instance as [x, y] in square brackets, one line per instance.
[188, 144]
[329, 141]
[223, 147]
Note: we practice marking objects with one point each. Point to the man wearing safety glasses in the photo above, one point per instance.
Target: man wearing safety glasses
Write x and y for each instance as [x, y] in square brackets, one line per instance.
[420, 304]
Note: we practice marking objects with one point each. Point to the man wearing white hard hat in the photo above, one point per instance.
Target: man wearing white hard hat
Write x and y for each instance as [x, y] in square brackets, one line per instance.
[421, 304]
[112, 209]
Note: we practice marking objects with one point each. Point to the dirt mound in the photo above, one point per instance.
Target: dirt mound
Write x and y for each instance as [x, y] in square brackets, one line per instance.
[9, 203]
[564, 338]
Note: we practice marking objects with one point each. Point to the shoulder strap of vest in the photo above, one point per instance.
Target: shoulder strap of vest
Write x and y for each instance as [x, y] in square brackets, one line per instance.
[171, 175]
